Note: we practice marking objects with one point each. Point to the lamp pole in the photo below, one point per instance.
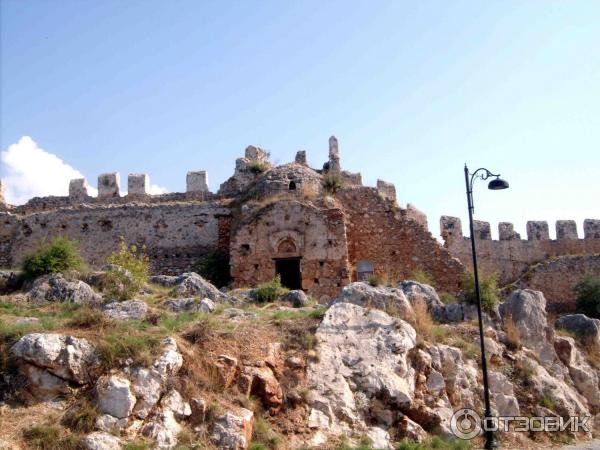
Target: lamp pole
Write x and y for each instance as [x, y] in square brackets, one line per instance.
[483, 174]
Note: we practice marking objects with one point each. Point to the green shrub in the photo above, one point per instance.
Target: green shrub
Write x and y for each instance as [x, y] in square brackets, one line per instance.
[59, 255]
[332, 182]
[214, 267]
[49, 437]
[373, 280]
[129, 269]
[588, 295]
[490, 294]
[257, 167]
[420, 276]
[263, 437]
[270, 291]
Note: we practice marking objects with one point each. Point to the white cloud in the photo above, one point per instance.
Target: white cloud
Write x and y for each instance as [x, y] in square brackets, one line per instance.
[29, 171]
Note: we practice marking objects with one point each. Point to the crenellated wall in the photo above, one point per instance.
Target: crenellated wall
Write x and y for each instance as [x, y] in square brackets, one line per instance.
[510, 257]
[174, 234]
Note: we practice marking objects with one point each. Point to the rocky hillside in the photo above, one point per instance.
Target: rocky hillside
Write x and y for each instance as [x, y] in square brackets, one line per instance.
[185, 365]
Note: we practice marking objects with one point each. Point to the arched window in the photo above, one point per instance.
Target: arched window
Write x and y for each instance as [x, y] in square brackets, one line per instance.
[286, 246]
[364, 269]
[292, 186]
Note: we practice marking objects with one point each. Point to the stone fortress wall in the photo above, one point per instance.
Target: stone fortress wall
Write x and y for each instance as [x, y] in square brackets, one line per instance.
[538, 262]
[263, 213]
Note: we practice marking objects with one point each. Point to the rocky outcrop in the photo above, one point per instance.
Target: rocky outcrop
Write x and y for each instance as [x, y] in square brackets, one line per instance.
[384, 298]
[584, 327]
[190, 284]
[100, 440]
[55, 288]
[126, 310]
[115, 396]
[66, 357]
[297, 298]
[233, 431]
[362, 365]
[179, 305]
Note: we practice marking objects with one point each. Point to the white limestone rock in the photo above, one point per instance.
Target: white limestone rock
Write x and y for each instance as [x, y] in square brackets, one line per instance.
[233, 431]
[384, 298]
[55, 288]
[126, 310]
[67, 357]
[115, 396]
[99, 440]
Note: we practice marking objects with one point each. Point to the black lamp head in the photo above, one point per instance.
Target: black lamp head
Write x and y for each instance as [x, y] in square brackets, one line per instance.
[498, 184]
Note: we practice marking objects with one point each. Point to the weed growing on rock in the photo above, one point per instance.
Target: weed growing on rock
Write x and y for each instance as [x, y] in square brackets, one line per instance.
[49, 437]
[128, 272]
[270, 291]
[420, 276]
[332, 183]
[490, 294]
[81, 416]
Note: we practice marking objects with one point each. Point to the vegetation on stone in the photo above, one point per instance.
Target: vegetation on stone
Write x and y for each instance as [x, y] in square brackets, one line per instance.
[214, 266]
[257, 167]
[270, 291]
[128, 272]
[57, 256]
[588, 295]
[332, 182]
[490, 294]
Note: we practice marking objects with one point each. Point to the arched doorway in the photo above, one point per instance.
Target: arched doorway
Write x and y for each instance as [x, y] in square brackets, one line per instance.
[288, 267]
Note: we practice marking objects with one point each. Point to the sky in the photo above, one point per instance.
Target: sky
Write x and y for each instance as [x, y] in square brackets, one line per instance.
[412, 90]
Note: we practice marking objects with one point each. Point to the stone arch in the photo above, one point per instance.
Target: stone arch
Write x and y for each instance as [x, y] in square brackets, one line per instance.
[287, 246]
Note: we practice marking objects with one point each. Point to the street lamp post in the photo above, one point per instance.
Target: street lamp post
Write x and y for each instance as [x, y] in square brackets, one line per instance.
[495, 184]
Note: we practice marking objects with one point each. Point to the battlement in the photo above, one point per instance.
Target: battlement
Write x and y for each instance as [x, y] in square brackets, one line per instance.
[451, 229]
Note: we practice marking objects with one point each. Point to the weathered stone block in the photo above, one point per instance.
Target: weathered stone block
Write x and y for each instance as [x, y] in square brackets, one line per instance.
[301, 157]
[591, 229]
[386, 190]
[109, 185]
[450, 228]
[566, 229]
[353, 179]
[2, 193]
[78, 189]
[197, 181]
[506, 232]
[256, 153]
[482, 230]
[138, 184]
[334, 155]
[414, 213]
[538, 230]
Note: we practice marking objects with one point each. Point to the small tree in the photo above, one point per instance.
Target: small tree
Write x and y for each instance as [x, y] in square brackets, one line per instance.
[257, 167]
[128, 271]
[57, 256]
[490, 294]
[588, 295]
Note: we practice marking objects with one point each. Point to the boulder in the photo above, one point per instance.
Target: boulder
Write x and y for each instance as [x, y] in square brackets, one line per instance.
[502, 394]
[173, 401]
[55, 288]
[41, 384]
[190, 284]
[412, 431]
[415, 291]
[261, 382]
[582, 326]
[384, 298]
[527, 309]
[238, 315]
[206, 305]
[233, 431]
[67, 357]
[101, 441]
[362, 358]
[126, 310]
[10, 281]
[162, 428]
[584, 377]
[115, 396]
[110, 424]
[297, 298]
[380, 439]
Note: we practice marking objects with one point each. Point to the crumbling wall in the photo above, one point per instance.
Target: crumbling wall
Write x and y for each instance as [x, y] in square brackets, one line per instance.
[174, 234]
[396, 244]
[510, 256]
[556, 277]
[292, 229]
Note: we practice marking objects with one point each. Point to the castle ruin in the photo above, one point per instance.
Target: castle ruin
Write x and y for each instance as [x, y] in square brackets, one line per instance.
[282, 220]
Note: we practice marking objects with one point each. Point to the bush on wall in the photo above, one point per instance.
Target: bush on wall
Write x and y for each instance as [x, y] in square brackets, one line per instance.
[57, 256]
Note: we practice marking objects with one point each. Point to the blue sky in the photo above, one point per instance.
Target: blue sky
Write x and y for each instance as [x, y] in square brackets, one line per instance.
[412, 90]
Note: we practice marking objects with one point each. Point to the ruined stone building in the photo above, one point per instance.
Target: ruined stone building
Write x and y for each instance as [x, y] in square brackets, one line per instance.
[291, 220]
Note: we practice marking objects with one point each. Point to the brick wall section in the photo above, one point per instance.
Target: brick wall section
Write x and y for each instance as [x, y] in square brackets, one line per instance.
[175, 234]
[288, 229]
[556, 278]
[379, 232]
[224, 239]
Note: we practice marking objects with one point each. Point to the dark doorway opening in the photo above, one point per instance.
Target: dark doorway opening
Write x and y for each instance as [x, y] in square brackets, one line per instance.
[289, 271]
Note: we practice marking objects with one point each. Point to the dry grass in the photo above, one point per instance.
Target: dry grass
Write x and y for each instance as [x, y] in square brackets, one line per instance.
[422, 322]
[513, 336]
